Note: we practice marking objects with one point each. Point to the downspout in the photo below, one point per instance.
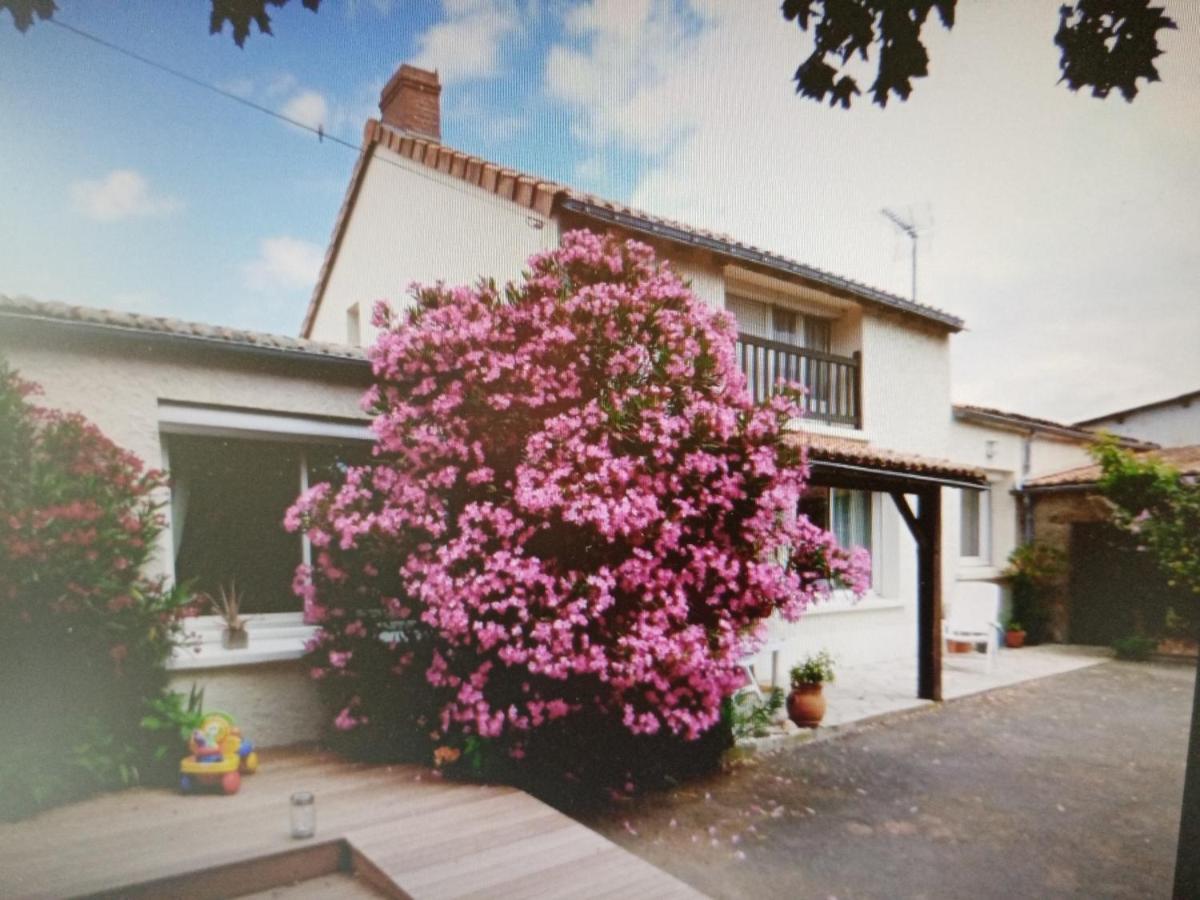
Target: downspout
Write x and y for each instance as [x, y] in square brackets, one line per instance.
[1025, 501]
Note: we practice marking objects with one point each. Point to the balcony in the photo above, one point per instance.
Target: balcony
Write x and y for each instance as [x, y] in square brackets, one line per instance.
[833, 382]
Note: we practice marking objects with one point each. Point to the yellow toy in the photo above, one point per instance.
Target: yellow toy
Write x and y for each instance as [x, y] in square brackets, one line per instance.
[220, 756]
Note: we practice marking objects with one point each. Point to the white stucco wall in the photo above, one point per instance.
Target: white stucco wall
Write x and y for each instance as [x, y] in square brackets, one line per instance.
[906, 386]
[276, 704]
[1176, 425]
[413, 224]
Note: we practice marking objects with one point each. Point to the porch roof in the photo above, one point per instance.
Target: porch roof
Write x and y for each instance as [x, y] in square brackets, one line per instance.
[848, 463]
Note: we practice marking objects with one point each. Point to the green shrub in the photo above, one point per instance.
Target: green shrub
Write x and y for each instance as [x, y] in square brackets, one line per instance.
[1135, 647]
[1034, 569]
[84, 637]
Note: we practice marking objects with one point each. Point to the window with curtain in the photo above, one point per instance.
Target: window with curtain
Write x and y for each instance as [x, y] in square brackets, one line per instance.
[848, 514]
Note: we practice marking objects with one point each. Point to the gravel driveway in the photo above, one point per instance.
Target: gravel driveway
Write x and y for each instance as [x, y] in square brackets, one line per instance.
[1065, 787]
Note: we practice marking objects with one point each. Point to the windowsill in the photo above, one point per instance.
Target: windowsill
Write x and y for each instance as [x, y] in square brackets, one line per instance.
[274, 637]
[977, 570]
[843, 602]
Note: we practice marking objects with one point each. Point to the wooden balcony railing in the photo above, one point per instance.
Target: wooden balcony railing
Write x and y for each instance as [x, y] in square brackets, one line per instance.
[833, 382]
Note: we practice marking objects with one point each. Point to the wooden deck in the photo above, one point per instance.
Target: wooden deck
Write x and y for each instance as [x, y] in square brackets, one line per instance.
[395, 831]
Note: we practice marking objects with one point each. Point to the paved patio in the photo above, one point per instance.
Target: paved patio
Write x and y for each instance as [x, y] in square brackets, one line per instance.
[391, 831]
[864, 692]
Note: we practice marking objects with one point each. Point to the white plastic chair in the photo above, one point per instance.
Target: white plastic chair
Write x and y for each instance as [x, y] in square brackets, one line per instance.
[973, 617]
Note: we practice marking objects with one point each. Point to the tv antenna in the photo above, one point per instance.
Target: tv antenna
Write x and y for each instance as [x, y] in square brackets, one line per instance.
[909, 227]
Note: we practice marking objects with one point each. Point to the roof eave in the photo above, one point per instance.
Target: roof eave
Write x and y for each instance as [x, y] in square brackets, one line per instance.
[1024, 426]
[190, 340]
[760, 258]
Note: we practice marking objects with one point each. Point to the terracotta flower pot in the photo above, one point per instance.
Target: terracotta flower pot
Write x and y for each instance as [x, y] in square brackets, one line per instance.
[806, 705]
[959, 646]
[1014, 639]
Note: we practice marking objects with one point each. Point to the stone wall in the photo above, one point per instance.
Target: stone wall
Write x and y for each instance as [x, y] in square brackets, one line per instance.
[1053, 516]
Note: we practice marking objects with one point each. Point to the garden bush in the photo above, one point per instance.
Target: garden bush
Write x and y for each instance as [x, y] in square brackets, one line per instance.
[1035, 571]
[577, 516]
[83, 636]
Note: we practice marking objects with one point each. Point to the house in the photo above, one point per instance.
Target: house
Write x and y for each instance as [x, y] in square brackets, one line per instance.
[876, 365]
[1174, 422]
[243, 421]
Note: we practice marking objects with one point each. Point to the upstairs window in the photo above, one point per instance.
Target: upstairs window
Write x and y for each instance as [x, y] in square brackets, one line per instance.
[777, 323]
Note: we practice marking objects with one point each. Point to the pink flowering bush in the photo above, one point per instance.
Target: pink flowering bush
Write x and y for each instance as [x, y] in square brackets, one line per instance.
[83, 635]
[574, 507]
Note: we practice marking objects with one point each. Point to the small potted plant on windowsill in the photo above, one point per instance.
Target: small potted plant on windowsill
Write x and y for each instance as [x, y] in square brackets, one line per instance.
[806, 703]
[1014, 635]
[228, 606]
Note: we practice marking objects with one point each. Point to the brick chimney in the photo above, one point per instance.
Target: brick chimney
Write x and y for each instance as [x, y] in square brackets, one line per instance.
[411, 102]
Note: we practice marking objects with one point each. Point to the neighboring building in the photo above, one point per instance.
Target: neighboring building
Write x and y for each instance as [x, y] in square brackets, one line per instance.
[1110, 590]
[1170, 423]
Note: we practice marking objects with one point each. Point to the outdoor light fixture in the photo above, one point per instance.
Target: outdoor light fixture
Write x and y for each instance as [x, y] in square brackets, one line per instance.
[989, 449]
[304, 815]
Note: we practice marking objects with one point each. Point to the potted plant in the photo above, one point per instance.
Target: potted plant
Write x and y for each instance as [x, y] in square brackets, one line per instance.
[806, 703]
[1014, 635]
[229, 607]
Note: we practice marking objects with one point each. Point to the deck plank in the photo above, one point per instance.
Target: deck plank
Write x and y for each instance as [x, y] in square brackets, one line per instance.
[432, 838]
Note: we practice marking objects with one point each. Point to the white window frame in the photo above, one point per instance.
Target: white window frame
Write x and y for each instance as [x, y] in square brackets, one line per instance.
[984, 514]
[842, 599]
[273, 637]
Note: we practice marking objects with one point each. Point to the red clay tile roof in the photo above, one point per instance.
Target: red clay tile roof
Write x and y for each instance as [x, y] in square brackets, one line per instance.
[843, 450]
[28, 309]
[1185, 459]
[545, 197]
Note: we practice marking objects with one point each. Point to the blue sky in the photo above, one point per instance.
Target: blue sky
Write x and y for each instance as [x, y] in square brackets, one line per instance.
[1062, 228]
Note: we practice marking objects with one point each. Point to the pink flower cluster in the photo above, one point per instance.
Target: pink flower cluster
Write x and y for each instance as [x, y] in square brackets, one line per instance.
[587, 509]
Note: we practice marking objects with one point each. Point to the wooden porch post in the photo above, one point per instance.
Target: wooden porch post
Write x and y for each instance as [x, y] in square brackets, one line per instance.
[929, 595]
[926, 529]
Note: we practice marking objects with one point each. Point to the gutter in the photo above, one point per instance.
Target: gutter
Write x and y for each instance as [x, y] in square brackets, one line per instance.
[192, 340]
[758, 257]
[1072, 487]
[945, 481]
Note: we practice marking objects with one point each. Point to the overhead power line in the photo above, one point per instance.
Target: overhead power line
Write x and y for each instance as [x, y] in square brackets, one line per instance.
[319, 130]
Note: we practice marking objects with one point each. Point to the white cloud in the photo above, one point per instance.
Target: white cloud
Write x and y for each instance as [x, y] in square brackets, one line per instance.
[621, 69]
[121, 194]
[309, 108]
[284, 263]
[467, 43]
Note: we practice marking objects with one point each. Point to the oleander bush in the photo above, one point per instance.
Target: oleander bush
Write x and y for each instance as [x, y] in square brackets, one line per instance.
[83, 635]
[575, 524]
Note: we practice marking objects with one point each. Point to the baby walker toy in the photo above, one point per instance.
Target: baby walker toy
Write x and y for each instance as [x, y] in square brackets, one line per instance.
[220, 756]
